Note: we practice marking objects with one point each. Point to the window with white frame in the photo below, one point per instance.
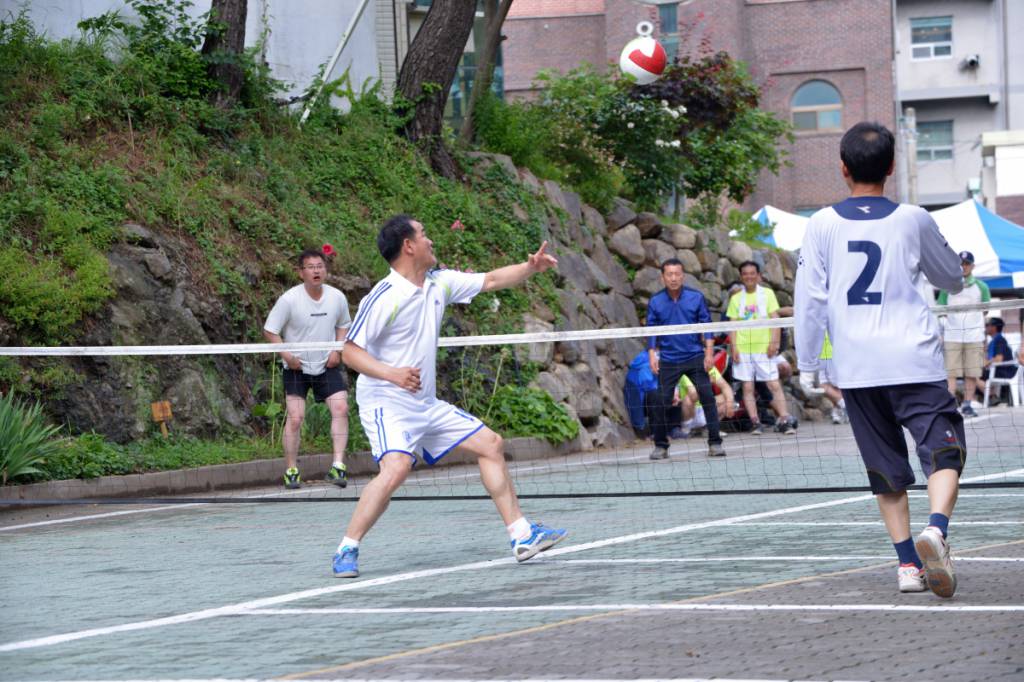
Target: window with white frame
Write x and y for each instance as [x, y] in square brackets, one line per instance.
[934, 140]
[816, 105]
[668, 28]
[931, 38]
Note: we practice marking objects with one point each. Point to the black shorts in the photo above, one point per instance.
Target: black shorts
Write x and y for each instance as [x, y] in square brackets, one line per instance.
[927, 410]
[324, 385]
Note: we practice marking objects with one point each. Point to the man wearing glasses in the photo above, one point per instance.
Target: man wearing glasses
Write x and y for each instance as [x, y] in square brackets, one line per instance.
[306, 313]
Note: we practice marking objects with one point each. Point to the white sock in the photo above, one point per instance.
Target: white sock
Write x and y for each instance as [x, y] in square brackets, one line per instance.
[520, 529]
[842, 403]
[348, 542]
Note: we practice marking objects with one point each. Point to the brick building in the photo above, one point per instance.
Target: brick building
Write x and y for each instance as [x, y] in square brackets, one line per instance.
[822, 64]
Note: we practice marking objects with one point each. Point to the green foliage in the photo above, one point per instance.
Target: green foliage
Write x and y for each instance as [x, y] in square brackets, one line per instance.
[744, 228]
[88, 456]
[523, 411]
[698, 129]
[26, 440]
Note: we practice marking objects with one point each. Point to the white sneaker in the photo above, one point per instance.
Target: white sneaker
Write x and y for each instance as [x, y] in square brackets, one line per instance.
[911, 578]
[837, 416]
[934, 552]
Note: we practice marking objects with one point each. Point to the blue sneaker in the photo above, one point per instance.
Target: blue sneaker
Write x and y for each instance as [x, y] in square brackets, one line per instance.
[541, 539]
[346, 563]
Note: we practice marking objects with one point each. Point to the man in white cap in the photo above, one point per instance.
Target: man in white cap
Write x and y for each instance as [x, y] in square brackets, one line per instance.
[963, 338]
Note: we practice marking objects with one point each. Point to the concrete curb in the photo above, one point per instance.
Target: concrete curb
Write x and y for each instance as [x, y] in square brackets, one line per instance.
[222, 477]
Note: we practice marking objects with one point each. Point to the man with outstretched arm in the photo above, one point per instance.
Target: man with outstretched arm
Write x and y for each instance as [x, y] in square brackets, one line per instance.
[392, 343]
[858, 279]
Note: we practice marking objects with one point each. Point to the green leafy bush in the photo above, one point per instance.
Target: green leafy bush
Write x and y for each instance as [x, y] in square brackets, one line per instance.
[523, 411]
[87, 456]
[26, 440]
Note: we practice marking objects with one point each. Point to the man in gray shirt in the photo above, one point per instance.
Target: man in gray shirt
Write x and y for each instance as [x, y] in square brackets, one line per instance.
[312, 312]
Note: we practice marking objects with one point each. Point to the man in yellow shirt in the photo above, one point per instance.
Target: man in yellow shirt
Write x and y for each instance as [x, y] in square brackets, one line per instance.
[754, 350]
[693, 412]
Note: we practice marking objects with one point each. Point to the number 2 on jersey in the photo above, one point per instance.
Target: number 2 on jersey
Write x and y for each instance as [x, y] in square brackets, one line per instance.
[858, 294]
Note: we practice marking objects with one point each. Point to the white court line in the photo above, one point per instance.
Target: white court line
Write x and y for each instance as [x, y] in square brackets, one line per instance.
[417, 481]
[939, 608]
[234, 609]
[765, 559]
[105, 515]
[475, 679]
[952, 522]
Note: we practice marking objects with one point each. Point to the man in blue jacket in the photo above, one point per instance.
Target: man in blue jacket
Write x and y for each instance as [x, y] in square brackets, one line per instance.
[671, 356]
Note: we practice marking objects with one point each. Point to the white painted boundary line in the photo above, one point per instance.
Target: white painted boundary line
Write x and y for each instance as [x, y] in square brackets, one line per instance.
[525, 470]
[765, 559]
[952, 522]
[475, 679]
[939, 608]
[241, 607]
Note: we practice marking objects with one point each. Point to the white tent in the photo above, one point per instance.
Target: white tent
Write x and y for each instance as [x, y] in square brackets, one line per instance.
[789, 227]
[997, 244]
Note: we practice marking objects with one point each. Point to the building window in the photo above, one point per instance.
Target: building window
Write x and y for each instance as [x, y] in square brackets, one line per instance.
[668, 28]
[816, 105]
[931, 38]
[934, 140]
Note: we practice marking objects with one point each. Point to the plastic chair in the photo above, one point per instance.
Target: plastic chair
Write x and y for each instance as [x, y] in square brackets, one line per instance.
[1016, 382]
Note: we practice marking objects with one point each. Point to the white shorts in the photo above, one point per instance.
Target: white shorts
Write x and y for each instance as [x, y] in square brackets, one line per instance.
[827, 372]
[429, 433]
[755, 367]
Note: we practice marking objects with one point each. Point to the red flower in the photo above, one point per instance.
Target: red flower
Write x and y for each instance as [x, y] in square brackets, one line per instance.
[458, 226]
[327, 250]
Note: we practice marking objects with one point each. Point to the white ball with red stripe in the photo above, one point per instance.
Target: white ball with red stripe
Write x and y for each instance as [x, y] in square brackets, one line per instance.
[643, 58]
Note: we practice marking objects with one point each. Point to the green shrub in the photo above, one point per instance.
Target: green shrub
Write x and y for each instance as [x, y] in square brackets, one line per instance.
[26, 440]
[88, 456]
[522, 411]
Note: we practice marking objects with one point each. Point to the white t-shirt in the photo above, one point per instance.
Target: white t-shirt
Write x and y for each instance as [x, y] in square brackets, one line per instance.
[399, 324]
[297, 318]
[968, 327]
[858, 278]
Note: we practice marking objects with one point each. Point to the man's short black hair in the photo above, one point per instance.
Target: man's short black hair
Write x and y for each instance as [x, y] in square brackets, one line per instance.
[671, 261]
[310, 253]
[868, 149]
[748, 263]
[996, 322]
[396, 230]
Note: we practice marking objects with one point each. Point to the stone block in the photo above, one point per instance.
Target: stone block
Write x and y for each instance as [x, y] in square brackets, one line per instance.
[657, 252]
[627, 243]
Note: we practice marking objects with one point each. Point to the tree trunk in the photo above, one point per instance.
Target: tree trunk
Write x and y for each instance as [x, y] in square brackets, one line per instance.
[495, 11]
[427, 74]
[224, 44]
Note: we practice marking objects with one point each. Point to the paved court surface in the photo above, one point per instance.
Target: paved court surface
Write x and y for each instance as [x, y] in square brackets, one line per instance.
[780, 586]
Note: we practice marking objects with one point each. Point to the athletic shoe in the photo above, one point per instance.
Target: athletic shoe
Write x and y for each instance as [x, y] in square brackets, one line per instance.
[346, 563]
[911, 578]
[678, 433]
[934, 552]
[968, 411]
[337, 475]
[659, 453]
[758, 429]
[292, 480]
[786, 426]
[541, 539]
[837, 415]
[716, 450]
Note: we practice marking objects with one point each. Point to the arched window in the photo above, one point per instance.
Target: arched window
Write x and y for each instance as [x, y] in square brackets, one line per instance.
[816, 105]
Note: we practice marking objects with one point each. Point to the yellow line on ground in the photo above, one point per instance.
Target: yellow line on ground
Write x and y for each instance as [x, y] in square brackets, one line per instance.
[581, 619]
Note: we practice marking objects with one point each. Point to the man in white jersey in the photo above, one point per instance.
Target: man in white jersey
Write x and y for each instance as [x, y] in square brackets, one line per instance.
[964, 334]
[858, 279]
[312, 312]
[393, 345]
